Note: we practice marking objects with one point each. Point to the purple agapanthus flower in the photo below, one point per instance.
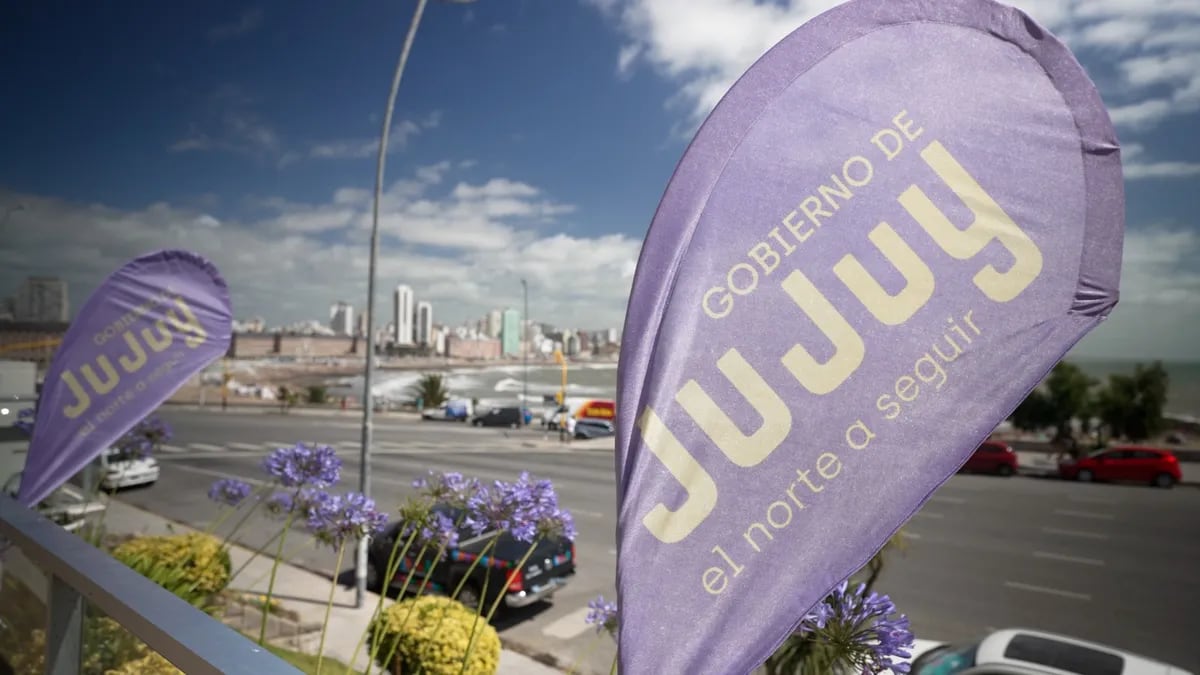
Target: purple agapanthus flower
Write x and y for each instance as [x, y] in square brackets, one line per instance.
[345, 517]
[25, 420]
[603, 615]
[862, 629]
[556, 523]
[144, 438]
[526, 508]
[449, 488]
[436, 531]
[278, 505]
[304, 465]
[229, 491]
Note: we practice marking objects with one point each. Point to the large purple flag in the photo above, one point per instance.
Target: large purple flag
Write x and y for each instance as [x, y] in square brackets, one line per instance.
[149, 327]
[882, 238]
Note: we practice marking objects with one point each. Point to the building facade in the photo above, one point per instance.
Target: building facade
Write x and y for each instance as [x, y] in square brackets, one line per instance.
[41, 300]
[341, 318]
[494, 324]
[403, 309]
[510, 332]
[423, 323]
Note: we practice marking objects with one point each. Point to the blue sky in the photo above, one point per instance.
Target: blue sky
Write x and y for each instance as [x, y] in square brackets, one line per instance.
[532, 138]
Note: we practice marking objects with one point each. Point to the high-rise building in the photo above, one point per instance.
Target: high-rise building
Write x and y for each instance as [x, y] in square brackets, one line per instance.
[494, 324]
[402, 306]
[341, 318]
[42, 299]
[364, 324]
[423, 323]
[510, 332]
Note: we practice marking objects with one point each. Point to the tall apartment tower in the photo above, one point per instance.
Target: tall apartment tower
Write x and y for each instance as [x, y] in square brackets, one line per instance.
[341, 318]
[402, 305]
[423, 323]
[42, 299]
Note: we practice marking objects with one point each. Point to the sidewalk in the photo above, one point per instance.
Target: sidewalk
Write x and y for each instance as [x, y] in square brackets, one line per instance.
[302, 592]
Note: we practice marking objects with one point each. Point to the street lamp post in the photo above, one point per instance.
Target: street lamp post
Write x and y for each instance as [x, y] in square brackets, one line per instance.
[525, 350]
[364, 474]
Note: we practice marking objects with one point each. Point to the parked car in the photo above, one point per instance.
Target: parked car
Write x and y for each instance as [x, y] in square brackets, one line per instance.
[455, 411]
[546, 570]
[588, 428]
[122, 470]
[1139, 464]
[992, 457]
[67, 506]
[1019, 651]
[500, 417]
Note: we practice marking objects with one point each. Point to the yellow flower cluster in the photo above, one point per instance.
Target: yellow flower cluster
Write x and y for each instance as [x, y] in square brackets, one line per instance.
[434, 639]
[152, 663]
[196, 561]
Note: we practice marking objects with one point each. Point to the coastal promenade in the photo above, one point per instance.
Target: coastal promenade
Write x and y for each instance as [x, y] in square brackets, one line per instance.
[984, 552]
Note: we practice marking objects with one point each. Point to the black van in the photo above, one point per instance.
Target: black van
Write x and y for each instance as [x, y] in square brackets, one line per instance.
[499, 417]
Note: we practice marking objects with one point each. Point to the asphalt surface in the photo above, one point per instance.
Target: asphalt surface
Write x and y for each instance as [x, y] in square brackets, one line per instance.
[1109, 563]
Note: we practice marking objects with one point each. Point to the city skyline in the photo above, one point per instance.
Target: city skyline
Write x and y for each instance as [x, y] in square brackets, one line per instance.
[262, 160]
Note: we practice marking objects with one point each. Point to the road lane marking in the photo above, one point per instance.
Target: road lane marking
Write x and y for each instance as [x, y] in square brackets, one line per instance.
[589, 514]
[172, 448]
[1067, 558]
[947, 500]
[1084, 514]
[1074, 533]
[222, 474]
[1047, 590]
[1082, 499]
[246, 446]
[909, 535]
[928, 514]
[271, 445]
[569, 626]
[205, 447]
[612, 551]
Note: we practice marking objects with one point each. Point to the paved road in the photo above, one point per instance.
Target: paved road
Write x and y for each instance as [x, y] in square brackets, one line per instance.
[1114, 564]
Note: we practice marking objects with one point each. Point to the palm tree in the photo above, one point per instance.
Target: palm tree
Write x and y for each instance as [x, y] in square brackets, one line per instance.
[431, 390]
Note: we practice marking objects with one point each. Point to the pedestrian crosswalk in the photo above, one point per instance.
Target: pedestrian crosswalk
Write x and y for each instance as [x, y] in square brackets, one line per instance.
[379, 447]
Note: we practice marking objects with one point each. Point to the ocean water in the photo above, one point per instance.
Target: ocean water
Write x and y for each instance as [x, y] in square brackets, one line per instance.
[502, 385]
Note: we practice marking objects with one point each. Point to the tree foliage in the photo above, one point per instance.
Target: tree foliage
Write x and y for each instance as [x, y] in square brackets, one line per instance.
[1131, 406]
[431, 390]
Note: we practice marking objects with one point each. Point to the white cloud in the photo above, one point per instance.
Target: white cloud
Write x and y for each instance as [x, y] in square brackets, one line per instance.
[705, 45]
[362, 148]
[1137, 165]
[464, 247]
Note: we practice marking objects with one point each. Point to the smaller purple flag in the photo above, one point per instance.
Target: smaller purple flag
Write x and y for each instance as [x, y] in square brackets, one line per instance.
[149, 327]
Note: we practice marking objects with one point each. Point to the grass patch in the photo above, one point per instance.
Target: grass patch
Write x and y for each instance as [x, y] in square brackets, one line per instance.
[307, 663]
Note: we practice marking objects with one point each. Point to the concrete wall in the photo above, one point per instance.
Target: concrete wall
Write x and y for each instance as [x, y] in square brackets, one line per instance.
[461, 348]
[254, 345]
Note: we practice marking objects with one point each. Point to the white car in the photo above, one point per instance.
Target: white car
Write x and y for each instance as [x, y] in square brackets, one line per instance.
[118, 470]
[1017, 651]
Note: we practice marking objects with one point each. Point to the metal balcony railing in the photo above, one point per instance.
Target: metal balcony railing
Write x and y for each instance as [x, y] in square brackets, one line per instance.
[70, 571]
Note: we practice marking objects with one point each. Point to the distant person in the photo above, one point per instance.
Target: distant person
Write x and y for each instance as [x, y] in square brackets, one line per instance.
[570, 428]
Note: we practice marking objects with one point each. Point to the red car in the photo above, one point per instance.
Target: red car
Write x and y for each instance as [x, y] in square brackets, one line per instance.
[1125, 463]
[992, 457]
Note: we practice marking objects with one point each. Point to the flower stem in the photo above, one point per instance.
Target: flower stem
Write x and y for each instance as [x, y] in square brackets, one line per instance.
[467, 575]
[257, 552]
[393, 564]
[613, 670]
[329, 606]
[262, 631]
[403, 590]
[496, 603]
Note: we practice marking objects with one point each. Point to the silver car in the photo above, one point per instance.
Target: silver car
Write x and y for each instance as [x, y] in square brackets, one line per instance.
[1017, 651]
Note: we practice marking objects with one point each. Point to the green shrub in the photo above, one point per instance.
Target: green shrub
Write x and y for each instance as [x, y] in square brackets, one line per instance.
[152, 663]
[192, 566]
[434, 639]
[106, 646]
[318, 394]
